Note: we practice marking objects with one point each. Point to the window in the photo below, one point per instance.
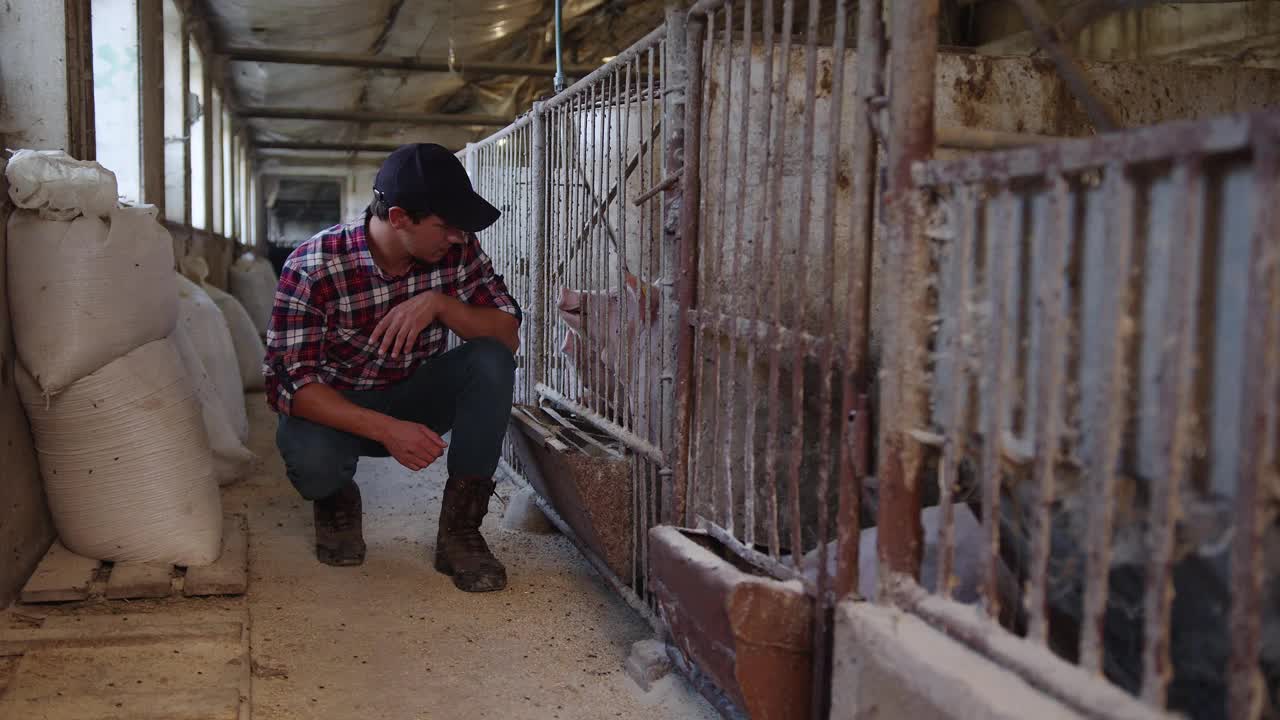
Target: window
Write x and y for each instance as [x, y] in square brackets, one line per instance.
[228, 177]
[199, 152]
[175, 134]
[116, 92]
[246, 209]
[215, 157]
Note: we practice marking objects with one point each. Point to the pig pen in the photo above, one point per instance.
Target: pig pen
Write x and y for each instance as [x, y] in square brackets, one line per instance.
[582, 176]
[708, 256]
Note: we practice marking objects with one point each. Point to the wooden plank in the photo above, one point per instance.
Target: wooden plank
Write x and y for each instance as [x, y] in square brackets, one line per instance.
[228, 575]
[199, 704]
[18, 641]
[61, 576]
[140, 580]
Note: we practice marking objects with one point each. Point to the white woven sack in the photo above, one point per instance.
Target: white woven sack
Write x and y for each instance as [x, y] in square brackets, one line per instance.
[58, 186]
[244, 336]
[208, 331]
[253, 282]
[86, 292]
[231, 459]
[249, 348]
[125, 462]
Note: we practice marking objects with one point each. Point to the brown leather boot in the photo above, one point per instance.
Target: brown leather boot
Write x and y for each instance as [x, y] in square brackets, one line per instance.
[339, 527]
[460, 549]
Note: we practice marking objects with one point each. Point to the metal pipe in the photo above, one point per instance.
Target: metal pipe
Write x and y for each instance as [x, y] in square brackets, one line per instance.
[654, 37]
[328, 146]
[559, 76]
[365, 116]
[1105, 408]
[535, 372]
[1176, 412]
[1258, 446]
[1053, 305]
[960, 272]
[904, 400]
[1073, 74]
[1131, 147]
[626, 437]
[967, 138]
[391, 62]
[687, 110]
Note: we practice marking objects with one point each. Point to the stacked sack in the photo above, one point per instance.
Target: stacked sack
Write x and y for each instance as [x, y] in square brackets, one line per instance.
[244, 334]
[253, 282]
[122, 444]
[204, 344]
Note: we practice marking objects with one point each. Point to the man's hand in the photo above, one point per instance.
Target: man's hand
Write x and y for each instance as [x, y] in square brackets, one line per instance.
[399, 329]
[412, 445]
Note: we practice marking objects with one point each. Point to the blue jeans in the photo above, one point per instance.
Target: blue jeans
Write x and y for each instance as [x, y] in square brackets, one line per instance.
[466, 390]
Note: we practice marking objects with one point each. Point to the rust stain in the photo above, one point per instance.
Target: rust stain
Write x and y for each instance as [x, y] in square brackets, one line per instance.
[824, 79]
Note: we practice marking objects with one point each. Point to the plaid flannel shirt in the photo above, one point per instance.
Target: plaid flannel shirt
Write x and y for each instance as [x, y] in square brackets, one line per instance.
[331, 296]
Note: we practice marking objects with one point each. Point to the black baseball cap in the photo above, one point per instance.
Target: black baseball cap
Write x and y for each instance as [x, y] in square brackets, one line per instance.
[425, 177]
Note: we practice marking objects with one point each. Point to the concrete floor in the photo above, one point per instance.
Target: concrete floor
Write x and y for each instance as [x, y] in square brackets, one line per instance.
[394, 639]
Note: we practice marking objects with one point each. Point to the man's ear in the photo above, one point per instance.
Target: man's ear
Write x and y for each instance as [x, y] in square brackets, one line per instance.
[398, 218]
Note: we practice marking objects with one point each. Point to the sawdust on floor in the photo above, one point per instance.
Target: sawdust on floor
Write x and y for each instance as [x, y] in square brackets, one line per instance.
[393, 638]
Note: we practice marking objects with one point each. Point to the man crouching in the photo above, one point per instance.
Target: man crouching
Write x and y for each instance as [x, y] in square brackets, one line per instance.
[356, 362]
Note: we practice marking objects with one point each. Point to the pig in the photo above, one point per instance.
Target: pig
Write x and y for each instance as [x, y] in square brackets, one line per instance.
[604, 331]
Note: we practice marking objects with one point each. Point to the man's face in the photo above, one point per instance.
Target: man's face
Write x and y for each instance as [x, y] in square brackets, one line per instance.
[429, 239]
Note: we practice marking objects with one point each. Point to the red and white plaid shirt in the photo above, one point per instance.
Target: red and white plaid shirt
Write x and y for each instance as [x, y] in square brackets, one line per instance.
[331, 296]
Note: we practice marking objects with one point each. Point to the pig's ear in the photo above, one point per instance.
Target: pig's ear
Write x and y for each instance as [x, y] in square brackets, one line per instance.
[570, 300]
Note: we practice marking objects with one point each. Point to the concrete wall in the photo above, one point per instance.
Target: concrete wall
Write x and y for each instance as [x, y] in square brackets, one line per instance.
[33, 114]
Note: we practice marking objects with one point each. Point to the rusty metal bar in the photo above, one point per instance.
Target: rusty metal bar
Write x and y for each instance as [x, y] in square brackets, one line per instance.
[796, 431]
[821, 699]
[854, 451]
[703, 411]
[1072, 72]
[779, 570]
[1258, 452]
[758, 265]
[772, 286]
[760, 330]
[1176, 398]
[1130, 147]
[905, 404]
[995, 382]
[722, 284]
[1052, 286]
[744, 116]
[621, 434]
[1107, 416]
[536, 371]
[685, 262]
[665, 184]
[960, 271]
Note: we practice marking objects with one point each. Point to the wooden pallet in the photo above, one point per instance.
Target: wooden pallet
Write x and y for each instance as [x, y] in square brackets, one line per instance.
[63, 576]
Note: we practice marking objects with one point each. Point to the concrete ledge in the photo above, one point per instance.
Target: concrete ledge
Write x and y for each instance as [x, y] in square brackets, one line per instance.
[891, 664]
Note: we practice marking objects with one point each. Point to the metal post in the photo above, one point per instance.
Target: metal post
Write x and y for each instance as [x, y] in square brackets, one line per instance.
[674, 332]
[914, 43]
[538, 260]
[559, 79]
